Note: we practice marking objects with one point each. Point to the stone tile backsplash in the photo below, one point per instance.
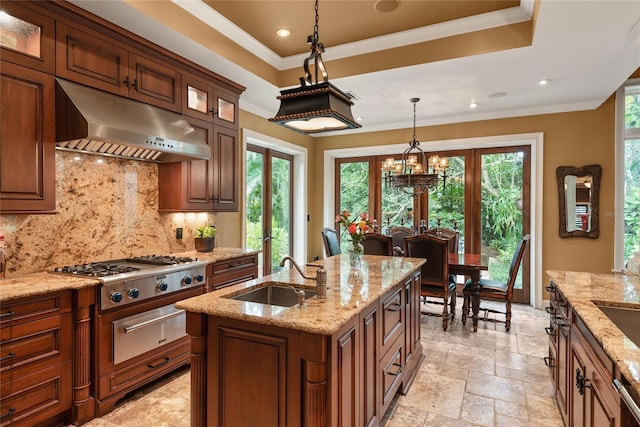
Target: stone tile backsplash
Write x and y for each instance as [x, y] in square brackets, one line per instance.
[107, 208]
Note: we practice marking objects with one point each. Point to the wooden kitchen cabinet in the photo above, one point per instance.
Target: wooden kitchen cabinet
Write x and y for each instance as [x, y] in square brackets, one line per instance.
[188, 186]
[203, 185]
[90, 58]
[27, 140]
[594, 401]
[202, 99]
[348, 378]
[231, 271]
[559, 356]
[28, 37]
[226, 174]
[412, 346]
[36, 342]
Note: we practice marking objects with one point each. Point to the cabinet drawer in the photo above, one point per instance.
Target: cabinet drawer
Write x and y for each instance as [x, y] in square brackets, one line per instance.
[152, 365]
[392, 315]
[36, 398]
[32, 308]
[232, 271]
[391, 373]
[42, 343]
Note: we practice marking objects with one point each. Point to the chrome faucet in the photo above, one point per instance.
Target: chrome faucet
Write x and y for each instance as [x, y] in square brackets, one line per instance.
[321, 277]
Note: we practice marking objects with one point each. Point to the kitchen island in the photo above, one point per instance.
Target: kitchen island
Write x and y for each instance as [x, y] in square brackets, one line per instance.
[335, 361]
[588, 350]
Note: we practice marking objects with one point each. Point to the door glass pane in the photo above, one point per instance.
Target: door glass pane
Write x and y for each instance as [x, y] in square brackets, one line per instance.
[397, 207]
[501, 211]
[446, 201]
[354, 192]
[19, 35]
[280, 210]
[255, 200]
[226, 110]
[197, 99]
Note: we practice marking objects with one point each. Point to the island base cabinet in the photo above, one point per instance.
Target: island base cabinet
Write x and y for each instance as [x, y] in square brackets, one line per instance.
[594, 402]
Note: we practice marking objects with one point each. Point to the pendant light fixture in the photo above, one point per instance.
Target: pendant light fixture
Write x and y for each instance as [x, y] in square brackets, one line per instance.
[411, 174]
[316, 106]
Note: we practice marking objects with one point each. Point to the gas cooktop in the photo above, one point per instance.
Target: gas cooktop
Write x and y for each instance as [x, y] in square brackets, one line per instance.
[130, 267]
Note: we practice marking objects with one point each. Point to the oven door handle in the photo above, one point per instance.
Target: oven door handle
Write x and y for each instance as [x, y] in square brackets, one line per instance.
[132, 328]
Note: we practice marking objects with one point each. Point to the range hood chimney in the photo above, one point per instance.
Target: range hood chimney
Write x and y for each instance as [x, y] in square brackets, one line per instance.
[96, 122]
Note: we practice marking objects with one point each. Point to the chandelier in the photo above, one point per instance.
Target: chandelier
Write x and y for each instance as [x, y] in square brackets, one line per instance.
[411, 174]
[315, 106]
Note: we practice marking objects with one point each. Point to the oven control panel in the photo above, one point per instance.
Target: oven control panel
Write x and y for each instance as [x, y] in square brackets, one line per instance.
[129, 291]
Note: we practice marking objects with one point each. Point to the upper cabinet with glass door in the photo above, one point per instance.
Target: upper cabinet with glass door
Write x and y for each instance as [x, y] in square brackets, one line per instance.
[206, 101]
[26, 37]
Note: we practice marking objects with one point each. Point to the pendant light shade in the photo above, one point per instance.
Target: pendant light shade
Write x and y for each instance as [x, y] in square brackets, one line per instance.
[316, 106]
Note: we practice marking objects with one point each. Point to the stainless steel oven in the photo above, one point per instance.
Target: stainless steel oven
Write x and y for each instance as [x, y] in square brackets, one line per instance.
[138, 334]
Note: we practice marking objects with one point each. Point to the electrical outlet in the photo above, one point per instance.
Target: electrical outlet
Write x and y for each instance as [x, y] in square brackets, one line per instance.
[179, 233]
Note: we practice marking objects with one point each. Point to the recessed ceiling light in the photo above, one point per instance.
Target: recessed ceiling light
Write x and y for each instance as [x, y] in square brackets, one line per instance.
[473, 104]
[544, 82]
[283, 32]
[386, 6]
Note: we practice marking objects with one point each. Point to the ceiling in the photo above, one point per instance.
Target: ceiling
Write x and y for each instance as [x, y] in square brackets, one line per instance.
[448, 53]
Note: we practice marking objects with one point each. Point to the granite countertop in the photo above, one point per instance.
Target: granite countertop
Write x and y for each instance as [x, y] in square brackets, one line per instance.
[582, 290]
[348, 293]
[43, 283]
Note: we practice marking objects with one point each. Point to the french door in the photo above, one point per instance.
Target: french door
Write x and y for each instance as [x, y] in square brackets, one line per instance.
[269, 208]
[486, 197]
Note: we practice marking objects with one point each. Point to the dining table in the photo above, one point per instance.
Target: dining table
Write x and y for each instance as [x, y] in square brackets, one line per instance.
[472, 265]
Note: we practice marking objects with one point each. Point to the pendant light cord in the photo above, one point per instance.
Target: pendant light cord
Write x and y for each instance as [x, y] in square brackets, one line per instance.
[317, 49]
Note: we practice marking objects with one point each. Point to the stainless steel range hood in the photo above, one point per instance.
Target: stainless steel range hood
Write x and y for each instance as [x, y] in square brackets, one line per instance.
[96, 122]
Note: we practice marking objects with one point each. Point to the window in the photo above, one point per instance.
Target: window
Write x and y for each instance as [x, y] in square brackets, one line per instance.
[629, 168]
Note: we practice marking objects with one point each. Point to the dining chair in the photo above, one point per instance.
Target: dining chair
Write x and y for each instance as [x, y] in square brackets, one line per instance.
[331, 242]
[377, 244]
[434, 275]
[497, 290]
[398, 235]
[452, 237]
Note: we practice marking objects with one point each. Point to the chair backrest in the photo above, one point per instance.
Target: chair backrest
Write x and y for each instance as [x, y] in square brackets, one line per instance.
[399, 233]
[452, 236]
[436, 250]
[331, 242]
[377, 244]
[515, 264]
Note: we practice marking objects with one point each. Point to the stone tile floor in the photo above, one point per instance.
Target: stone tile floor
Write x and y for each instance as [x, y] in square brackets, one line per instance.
[489, 378]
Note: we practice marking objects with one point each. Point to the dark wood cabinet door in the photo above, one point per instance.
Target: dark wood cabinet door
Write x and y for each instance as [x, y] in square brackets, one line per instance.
[197, 98]
[370, 388]
[226, 175]
[27, 37]
[154, 82]
[91, 59]
[225, 108]
[27, 140]
[188, 185]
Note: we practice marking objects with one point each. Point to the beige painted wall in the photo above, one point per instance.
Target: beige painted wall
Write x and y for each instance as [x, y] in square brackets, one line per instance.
[572, 139]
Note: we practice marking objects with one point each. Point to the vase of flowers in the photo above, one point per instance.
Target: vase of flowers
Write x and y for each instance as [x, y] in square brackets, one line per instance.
[357, 229]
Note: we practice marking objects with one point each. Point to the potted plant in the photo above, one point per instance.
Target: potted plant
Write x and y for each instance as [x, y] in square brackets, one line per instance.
[205, 238]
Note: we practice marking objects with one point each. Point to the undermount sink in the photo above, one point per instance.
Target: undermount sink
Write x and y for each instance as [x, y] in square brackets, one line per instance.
[280, 294]
[626, 319]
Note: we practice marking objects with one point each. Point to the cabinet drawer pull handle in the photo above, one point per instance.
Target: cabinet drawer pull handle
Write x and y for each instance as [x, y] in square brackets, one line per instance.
[10, 412]
[135, 84]
[550, 310]
[126, 81]
[7, 357]
[562, 303]
[398, 372]
[581, 382]
[549, 362]
[237, 264]
[7, 314]
[164, 362]
[550, 331]
[128, 329]
[394, 307]
[550, 288]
